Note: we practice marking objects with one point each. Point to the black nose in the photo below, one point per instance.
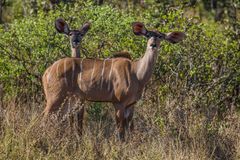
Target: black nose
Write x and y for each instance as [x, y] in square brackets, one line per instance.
[153, 45]
[75, 43]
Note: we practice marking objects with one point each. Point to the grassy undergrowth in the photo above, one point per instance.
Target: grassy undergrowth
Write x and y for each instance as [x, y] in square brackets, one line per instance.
[163, 130]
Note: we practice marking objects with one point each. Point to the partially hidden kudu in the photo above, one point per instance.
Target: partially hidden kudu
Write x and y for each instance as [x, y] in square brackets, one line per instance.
[118, 80]
[75, 36]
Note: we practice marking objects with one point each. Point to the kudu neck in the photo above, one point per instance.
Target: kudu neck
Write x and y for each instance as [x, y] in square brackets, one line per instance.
[144, 66]
[76, 52]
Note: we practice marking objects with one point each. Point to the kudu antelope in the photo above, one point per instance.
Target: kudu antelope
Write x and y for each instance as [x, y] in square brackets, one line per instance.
[75, 36]
[117, 80]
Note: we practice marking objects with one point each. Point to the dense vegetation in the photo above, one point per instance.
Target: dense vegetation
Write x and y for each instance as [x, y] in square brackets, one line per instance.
[189, 110]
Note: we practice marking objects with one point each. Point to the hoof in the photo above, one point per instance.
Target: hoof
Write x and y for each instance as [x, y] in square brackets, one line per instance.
[120, 137]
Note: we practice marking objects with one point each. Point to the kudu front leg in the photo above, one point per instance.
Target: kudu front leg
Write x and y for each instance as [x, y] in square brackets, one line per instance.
[78, 116]
[76, 122]
[121, 123]
[79, 122]
[129, 118]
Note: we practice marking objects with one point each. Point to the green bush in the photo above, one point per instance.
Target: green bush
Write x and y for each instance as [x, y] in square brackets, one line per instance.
[207, 59]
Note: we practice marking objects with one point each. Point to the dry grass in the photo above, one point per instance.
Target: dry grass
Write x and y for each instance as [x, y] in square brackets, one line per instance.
[164, 129]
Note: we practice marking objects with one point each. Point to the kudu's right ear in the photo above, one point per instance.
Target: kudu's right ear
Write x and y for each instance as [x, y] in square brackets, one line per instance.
[175, 37]
[139, 28]
[85, 27]
[61, 26]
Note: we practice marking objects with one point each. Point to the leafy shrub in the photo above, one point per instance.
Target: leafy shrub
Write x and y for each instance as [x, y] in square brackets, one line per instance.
[208, 60]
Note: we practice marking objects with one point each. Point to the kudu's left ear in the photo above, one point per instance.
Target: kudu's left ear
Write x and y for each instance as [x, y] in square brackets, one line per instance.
[62, 26]
[85, 27]
[139, 28]
[175, 37]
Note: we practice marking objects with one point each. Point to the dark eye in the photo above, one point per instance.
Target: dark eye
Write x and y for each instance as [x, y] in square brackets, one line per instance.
[80, 34]
[150, 34]
[70, 34]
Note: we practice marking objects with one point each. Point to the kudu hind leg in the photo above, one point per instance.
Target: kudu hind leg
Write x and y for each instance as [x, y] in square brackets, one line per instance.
[54, 104]
[53, 115]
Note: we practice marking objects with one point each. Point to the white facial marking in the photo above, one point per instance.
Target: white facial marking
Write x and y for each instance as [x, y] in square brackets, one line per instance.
[102, 72]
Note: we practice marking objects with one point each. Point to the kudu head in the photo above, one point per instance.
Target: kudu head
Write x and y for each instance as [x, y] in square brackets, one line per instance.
[75, 35]
[155, 36]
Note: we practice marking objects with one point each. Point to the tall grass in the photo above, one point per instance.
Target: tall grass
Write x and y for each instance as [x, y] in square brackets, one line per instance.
[164, 129]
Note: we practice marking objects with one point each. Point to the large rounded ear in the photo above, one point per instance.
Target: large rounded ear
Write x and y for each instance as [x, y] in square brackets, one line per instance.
[175, 37]
[61, 26]
[139, 28]
[85, 27]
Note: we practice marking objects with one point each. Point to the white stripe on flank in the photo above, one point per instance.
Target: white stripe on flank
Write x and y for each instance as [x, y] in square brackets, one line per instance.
[48, 74]
[102, 72]
[81, 70]
[73, 69]
[92, 72]
[110, 74]
[57, 69]
[50, 70]
[65, 76]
